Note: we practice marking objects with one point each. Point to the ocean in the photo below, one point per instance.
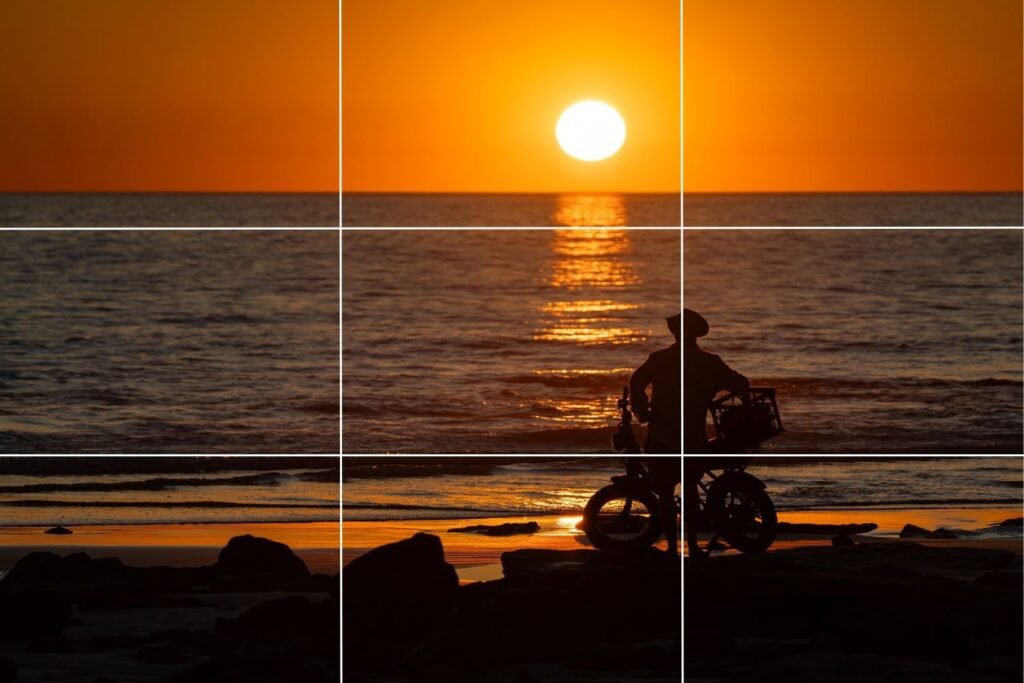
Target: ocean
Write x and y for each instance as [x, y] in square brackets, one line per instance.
[498, 341]
[878, 341]
[506, 210]
[562, 487]
[854, 209]
[169, 342]
[43, 492]
[169, 209]
[169, 511]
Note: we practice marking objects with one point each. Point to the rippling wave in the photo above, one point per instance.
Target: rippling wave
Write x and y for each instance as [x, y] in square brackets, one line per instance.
[169, 342]
[882, 341]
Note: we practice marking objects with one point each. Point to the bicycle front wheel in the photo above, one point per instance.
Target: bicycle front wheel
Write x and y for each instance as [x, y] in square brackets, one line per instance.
[621, 517]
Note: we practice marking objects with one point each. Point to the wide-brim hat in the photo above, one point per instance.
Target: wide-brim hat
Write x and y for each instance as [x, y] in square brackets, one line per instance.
[694, 324]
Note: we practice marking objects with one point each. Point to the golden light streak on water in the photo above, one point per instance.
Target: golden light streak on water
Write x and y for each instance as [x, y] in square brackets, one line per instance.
[590, 210]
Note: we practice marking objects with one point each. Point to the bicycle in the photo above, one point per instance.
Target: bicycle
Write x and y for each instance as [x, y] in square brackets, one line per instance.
[734, 506]
[625, 515]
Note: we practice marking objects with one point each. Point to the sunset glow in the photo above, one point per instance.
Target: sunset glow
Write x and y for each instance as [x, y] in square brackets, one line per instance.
[464, 96]
[191, 95]
[853, 95]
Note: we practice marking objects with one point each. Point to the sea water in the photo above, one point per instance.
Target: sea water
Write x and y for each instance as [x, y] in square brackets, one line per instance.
[170, 209]
[854, 209]
[169, 342]
[563, 487]
[538, 210]
[498, 341]
[878, 341]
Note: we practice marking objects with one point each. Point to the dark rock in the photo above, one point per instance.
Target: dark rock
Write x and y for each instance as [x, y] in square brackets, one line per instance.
[521, 618]
[8, 670]
[507, 529]
[402, 589]
[99, 643]
[56, 644]
[41, 570]
[260, 667]
[912, 531]
[162, 653]
[1016, 521]
[842, 541]
[294, 623]
[1008, 580]
[34, 614]
[948, 533]
[249, 556]
[59, 531]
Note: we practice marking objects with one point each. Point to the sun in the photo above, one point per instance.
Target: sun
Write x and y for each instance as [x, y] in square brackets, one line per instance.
[590, 131]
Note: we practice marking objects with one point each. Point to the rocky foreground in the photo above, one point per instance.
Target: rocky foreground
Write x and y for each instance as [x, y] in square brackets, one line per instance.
[886, 611]
[579, 615]
[256, 615]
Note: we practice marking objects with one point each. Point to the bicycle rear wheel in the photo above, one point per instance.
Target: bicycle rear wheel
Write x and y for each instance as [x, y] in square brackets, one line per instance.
[742, 513]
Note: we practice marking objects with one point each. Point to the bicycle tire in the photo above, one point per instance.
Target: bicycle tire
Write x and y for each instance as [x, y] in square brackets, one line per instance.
[752, 489]
[611, 492]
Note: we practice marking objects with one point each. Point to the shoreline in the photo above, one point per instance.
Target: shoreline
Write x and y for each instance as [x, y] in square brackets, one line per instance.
[477, 557]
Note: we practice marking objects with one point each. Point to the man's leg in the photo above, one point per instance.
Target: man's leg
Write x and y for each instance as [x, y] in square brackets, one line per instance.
[667, 510]
[691, 506]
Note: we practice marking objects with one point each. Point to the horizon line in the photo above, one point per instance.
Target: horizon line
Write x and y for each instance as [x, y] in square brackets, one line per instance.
[557, 192]
[697, 192]
[4, 192]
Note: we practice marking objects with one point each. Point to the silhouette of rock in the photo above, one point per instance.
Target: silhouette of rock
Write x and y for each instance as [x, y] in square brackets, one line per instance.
[54, 644]
[8, 670]
[59, 531]
[253, 557]
[34, 614]
[508, 529]
[401, 589]
[913, 531]
[581, 610]
[842, 541]
[295, 623]
[1016, 521]
[39, 570]
[911, 604]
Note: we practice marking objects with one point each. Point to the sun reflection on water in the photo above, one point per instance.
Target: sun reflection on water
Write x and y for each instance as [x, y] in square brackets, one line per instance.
[585, 210]
[588, 260]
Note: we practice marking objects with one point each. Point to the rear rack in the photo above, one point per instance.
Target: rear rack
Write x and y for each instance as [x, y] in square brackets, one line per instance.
[742, 425]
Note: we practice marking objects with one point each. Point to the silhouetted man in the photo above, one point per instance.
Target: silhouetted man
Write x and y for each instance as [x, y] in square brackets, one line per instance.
[705, 375]
[661, 373]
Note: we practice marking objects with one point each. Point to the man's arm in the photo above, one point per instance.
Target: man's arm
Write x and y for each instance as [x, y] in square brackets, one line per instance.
[731, 380]
[638, 383]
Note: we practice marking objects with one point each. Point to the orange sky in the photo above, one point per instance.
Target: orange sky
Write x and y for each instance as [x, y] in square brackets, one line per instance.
[463, 95]
[169, 95]
[853, 95]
